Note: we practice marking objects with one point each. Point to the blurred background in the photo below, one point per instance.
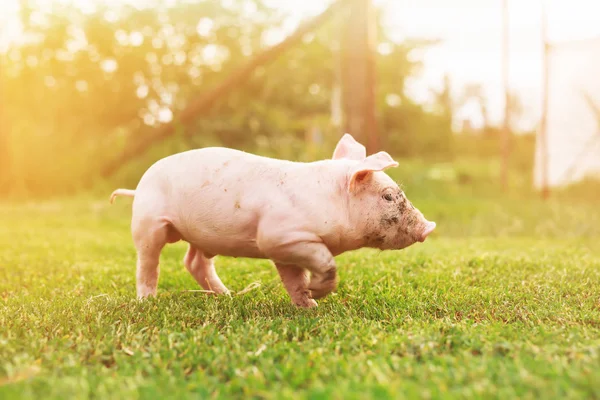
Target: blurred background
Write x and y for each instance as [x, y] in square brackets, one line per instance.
[485, 97]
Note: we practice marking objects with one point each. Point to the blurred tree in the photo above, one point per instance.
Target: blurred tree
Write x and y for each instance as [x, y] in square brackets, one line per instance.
[5, 179]
[515, 110]
[84, 83]
[358, 74]
[474, 92]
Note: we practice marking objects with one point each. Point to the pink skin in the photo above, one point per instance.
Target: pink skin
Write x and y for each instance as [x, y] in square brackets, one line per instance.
[299, 215]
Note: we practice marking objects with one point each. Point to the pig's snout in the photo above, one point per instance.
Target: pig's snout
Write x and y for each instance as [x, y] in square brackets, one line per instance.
[429, 227]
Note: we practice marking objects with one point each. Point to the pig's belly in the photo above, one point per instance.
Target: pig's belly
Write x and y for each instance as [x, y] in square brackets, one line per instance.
[227, 246]
[232, 236]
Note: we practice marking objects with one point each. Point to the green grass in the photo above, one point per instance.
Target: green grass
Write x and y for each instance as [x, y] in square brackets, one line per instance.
[502, 302]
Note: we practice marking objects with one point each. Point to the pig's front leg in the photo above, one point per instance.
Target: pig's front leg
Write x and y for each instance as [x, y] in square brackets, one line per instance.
[313, 256]
[317, 258]
[321, 284]
[295, 280]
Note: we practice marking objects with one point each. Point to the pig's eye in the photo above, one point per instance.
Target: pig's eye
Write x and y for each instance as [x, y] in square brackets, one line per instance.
[388, 197]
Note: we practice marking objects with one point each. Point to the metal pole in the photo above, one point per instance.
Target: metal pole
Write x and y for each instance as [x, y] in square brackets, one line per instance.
[507, 105]
[543, 139]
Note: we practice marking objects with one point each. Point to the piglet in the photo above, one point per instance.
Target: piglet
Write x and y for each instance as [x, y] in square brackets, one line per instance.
[300, 215]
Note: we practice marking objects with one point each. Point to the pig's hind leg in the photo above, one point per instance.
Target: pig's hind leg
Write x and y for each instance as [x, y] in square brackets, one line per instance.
[203, 270]
[150, 234]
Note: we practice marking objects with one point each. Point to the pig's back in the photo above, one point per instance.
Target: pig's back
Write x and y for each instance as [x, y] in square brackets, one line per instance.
[215, 197]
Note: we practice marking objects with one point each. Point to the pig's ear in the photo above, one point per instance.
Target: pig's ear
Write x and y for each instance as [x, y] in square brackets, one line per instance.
[350, 149]
[376, 162]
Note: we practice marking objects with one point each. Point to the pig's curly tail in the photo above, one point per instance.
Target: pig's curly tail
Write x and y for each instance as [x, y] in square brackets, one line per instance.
[121, 192]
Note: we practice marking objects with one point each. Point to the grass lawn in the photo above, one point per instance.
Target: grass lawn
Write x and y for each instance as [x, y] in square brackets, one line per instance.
[502, 302]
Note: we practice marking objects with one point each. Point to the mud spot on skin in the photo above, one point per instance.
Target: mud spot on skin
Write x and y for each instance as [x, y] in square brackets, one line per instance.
[387, 221]
[410, 223]
[402, 204]
[205, 184]
[237, 204]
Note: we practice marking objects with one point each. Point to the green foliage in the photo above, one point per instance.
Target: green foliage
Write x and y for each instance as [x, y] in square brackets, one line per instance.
[501, 302]
[83, 85]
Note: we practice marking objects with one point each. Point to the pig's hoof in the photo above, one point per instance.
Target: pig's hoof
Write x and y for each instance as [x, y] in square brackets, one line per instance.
[144, 293]
[318, 293]
[321, 286]
[214, 292]
[306, 303]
